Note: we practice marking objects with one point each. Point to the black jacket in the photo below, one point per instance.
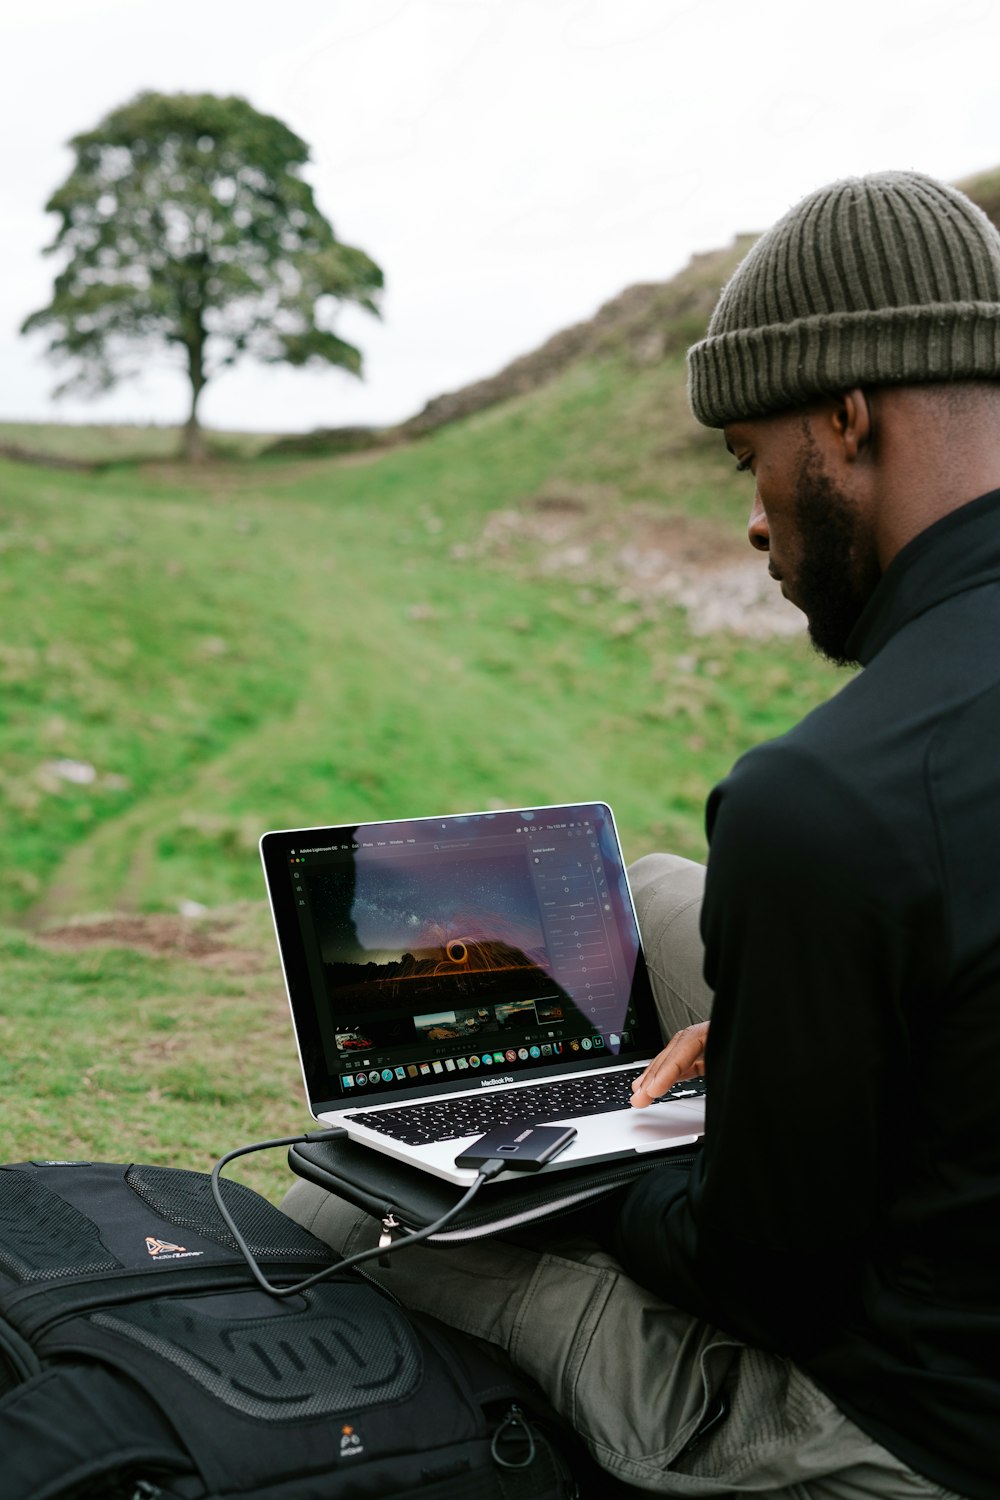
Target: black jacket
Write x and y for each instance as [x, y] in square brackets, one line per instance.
[846, 1207]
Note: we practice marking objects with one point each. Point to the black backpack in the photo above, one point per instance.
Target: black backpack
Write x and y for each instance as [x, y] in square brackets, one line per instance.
[138, 1359]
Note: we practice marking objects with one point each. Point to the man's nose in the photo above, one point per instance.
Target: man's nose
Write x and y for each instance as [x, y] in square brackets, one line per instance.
[757, 529]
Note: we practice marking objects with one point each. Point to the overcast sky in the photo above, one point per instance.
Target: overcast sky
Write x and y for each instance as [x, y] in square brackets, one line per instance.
[511, 164]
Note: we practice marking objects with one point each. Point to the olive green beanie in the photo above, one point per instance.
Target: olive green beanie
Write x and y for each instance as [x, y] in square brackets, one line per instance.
[888, 279]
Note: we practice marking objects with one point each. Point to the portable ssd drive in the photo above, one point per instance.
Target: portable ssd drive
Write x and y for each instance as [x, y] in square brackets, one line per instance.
[521, 1145]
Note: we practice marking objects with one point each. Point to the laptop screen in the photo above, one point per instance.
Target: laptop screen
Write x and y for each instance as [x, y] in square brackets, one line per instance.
[437, 954]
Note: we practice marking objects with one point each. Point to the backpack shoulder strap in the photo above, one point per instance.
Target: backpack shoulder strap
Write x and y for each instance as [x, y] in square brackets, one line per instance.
[71, 1426]
[18, 1360]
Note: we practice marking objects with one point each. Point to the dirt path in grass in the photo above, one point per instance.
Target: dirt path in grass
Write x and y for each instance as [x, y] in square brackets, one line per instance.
[645, 556]
[237, 939]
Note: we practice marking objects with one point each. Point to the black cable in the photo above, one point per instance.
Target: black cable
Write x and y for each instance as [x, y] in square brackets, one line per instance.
[487, 1171]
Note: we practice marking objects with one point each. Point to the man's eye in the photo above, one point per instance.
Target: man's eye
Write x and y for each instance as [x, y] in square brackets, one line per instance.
[743, 465]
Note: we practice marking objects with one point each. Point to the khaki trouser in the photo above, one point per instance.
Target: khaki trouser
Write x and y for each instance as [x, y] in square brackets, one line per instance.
[638, 1379]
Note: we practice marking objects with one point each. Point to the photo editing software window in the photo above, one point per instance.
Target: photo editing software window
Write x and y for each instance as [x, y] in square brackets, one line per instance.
[486, 945]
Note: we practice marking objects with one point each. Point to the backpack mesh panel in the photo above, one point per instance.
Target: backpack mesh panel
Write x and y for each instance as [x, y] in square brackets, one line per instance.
[42, 1237]
[185, 1199]
[346, 1351]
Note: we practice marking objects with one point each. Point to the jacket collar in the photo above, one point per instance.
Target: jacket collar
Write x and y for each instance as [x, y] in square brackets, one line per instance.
[959, 552]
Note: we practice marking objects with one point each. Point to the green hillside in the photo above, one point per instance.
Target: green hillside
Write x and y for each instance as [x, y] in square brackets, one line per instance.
[191, 658]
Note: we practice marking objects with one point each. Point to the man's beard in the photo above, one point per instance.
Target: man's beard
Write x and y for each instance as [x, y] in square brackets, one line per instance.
[837, 572]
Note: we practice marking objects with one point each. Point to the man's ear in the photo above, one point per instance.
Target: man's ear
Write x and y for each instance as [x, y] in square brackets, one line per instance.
[853, 423]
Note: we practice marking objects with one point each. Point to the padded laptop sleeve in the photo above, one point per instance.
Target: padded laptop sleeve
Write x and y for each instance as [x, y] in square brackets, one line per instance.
[404, 1198]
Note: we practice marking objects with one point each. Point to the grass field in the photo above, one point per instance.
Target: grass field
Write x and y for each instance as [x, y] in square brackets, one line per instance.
[191, 657]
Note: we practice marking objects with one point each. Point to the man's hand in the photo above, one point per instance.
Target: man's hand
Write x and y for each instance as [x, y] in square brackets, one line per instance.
[682, 1057]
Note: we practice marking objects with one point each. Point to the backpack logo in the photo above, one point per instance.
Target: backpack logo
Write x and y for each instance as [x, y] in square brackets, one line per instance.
[164, 1250]
[350, 1444]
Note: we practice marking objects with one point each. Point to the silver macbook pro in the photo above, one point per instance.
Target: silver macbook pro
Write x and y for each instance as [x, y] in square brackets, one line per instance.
[449, 974]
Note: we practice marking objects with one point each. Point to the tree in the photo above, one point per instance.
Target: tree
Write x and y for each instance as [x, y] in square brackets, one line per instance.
[186, 221]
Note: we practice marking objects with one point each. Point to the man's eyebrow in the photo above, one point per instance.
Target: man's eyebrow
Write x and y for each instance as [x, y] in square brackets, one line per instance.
[729, 446]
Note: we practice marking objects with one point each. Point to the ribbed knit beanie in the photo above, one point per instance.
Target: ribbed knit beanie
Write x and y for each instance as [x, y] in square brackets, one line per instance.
[888, 279]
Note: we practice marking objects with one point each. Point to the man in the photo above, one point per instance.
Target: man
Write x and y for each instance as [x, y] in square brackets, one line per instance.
[813, 1310]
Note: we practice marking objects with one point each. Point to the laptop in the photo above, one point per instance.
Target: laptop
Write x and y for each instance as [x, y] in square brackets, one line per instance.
[449, 974]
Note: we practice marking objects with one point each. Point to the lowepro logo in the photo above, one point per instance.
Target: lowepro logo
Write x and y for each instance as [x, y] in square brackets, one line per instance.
[491, 1083]
[165, 1250]
[350, 1443]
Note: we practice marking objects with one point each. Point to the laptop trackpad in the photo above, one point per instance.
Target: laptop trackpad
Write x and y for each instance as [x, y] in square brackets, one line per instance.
[659, 1125]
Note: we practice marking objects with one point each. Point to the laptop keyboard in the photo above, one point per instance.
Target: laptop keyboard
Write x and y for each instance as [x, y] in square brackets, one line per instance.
[564, 1099]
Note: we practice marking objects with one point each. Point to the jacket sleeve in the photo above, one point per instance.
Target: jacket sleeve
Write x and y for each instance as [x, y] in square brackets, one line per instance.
[815, 934]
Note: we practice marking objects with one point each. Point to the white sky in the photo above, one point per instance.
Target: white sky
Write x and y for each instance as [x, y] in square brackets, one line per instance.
[511, 164]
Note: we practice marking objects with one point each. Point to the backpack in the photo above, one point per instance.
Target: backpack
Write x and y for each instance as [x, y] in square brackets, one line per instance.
[139, 1360]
